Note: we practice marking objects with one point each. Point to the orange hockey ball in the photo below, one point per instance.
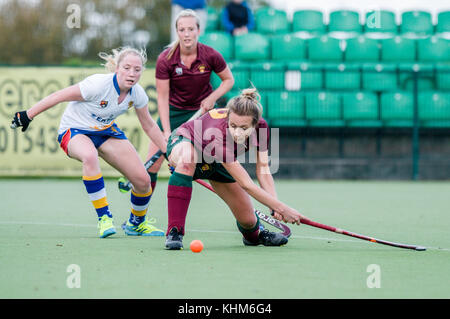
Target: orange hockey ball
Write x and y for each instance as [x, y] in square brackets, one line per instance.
[196, 246]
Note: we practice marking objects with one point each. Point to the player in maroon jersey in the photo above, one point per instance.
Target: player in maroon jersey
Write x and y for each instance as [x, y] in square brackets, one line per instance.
[183, 72]
[207, 148]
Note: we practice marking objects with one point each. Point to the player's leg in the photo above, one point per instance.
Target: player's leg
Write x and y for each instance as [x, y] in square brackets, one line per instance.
[247, 221]
[122, 155]
[81, 147]
[183, 158]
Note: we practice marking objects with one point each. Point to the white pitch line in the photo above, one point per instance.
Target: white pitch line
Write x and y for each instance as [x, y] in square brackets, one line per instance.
[193, 230]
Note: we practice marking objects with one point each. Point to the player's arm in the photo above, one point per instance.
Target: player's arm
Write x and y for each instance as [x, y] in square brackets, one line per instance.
[151, 128]
[71, 93]
[282, 211]
[162, 89]
[227, 83]
[23, 118]
[263, 174]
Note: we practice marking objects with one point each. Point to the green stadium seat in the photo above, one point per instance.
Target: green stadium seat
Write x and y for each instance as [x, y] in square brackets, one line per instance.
[426, 79]
[213, 19]
[241, 74]
[251, 46]
[434, 109]
[286, 109]
[308, 21]
[443, 76]
[380, 24]
[267, 75]
[443, 23]
[303, 76]
[325, 49]
[416, 24]
[288, 47]
[342, 76]
[379, 77]
[433, 49]
[219, 40]
[324, 109]
[271, 21]
[397, 109]
[361, 109]
[362, 49]
[345, 22]
[398, 49]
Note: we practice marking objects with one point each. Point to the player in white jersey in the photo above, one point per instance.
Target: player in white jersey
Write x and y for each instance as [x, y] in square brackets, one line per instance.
[87, 132]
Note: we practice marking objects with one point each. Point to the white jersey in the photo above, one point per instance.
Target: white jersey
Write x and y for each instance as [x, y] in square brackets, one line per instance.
[100, 106]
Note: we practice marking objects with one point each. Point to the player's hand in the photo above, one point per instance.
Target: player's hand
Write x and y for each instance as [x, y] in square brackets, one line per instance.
[21, 119]
[207, 104]
[288, 215]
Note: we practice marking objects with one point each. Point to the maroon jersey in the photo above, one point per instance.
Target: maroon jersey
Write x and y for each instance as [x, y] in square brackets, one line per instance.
[189, 86]
[211, 136]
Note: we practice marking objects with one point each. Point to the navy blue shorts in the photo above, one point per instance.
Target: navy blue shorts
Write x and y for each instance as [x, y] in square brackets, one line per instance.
[97, 137]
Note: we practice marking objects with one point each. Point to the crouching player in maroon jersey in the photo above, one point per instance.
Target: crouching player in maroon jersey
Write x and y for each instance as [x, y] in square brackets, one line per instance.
[207, 148]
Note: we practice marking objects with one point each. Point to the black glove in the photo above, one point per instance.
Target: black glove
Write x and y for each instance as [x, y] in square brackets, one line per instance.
[21, 119]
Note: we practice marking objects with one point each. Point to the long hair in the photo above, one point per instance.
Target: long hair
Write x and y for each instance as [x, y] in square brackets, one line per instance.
[183, 14]
[117, 55]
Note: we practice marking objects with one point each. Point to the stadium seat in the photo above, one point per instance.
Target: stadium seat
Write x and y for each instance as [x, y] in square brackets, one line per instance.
[267, 75]
[286, 109]
[416, 24]
[362, 49]
[251, 46]
[344, 24]
[443, 76]
[379, 77]
[342, 76]
[271, 21]
[380, 24]
[241, 74]
[219, 40]
[324, 49]
[360, 109]
[433, 49]
[303, 76]
[426, 79]
[213, 19]
[323, 109]
[434, 109]
[443, 24]
[288, 47]
[397, 109]
[308, 22]
[398, 49]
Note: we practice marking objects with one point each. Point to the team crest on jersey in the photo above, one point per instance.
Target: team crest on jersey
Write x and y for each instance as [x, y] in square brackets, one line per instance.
[205, 167]
[202, 68]
[103, 104]
[179, 71]
[130, 104]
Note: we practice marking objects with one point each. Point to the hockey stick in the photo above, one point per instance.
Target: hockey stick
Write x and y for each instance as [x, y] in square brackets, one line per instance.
[359, 236]
[286, 231]
[125, 185]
